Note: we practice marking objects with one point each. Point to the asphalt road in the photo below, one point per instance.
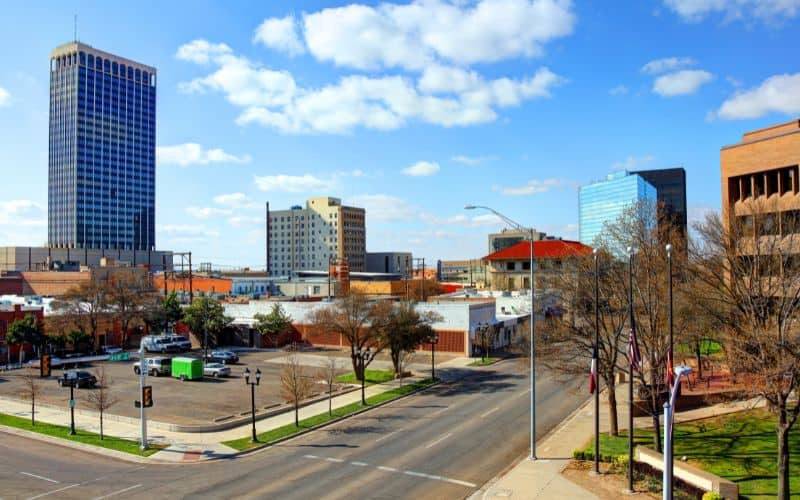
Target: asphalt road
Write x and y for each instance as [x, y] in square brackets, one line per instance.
[443, 443]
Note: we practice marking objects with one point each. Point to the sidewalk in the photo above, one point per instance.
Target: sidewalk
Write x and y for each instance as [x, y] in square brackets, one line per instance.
[543, 479]
[192, 447]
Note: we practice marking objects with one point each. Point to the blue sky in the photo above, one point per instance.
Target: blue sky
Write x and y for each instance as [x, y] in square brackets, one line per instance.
[411, 110]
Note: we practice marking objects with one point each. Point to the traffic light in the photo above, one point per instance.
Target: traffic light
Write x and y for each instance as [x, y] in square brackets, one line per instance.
[45, 366]
[147, 396]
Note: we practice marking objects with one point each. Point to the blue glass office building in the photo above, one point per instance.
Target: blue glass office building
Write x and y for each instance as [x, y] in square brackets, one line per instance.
[102, 166]
[603, 202]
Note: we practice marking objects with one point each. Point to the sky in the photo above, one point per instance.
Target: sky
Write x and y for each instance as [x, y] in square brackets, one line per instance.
[410, 110]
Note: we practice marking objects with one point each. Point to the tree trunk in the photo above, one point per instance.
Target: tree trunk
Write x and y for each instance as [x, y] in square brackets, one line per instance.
[698, 355]
[657, 433]
[783, 454]
[330, 401]
[396, 360]
[33, 408]
[612, 407]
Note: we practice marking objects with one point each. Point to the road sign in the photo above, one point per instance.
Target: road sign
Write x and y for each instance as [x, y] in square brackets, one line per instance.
[119, 356]
[72, 403]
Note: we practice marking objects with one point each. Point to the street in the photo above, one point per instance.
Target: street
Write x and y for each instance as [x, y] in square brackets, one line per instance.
[443, 443]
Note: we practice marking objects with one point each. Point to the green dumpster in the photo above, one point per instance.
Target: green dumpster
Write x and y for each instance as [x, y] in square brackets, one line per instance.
[187, 368]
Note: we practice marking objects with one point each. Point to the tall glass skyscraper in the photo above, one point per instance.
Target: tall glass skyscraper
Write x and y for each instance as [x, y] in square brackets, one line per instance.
[603, 202]
[102, 165]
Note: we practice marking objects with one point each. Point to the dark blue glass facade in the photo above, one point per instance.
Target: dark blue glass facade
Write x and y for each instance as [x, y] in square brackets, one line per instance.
[102, 151]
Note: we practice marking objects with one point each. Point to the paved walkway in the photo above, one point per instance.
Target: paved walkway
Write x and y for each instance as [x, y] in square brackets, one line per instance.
[186, 446]
[542, 478]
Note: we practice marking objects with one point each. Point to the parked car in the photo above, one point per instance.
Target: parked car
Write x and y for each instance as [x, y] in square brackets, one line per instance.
[182, 342]
[224, 357]
[111, 349]
[77, 378]
[216, 370]
[155, 366]
[160, 343]
[187, 368]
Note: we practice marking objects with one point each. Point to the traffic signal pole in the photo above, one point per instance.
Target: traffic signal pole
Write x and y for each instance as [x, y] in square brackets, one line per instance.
[142, 375]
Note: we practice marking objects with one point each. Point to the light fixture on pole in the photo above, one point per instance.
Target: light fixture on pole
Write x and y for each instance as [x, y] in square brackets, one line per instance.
[363, 356]
[669, 416]
[252, 397]
[633, 360]
[521, 228]
[595, 361]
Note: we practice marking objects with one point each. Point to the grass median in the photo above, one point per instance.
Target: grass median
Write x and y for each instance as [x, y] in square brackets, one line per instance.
[81, 436]
[484, 362]
[372, 377]
[310, 422]
[741, 447]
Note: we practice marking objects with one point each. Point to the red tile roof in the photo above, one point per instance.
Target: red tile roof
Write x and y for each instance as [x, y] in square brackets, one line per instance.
[543, 249]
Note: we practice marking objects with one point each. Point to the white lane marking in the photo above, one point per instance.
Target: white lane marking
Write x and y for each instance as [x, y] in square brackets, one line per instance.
[386, 436]
[54, 491]
[522, 394]
[439, 440]
[399, 471]
[437, 412]
[118, 492]
[39, 477]
[490, 412]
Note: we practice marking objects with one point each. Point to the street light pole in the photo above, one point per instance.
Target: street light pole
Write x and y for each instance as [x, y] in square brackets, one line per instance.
[669, 415]
[434, 341]
[596, 361]
[676, 382]
[142, 375]
[252, 385]
[363, 355]
[71, 408]
[631, 347]
[519, 227]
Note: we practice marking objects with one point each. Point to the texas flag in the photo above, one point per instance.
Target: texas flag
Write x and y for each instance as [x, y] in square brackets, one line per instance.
[633, 351]
[593, 373]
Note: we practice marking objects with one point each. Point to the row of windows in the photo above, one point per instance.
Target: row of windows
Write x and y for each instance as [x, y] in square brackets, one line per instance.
[776, 181]
[67, 62]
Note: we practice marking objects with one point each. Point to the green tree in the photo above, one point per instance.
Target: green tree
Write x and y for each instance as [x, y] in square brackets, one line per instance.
[403, 330]
[77, 338]
[24, 331]
[274, 324]
[162, 311]
[206, 318]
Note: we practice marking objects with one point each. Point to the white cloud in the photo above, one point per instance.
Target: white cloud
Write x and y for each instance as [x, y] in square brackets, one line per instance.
[472, 160]
[422, 169]
[667, 64]
[201, 51]
[765, 10]
[293, 183]
[413, 35]
[618, 90]
[5, 97]
[192, 153]
[22, 213]
[280, 34]
[243, 220]
[776, 94]
[187, 230]
[482, 220]
[682, 82]
[384, 207]
[533, 186]
[234, 200]
[633, 162]
[207, 212]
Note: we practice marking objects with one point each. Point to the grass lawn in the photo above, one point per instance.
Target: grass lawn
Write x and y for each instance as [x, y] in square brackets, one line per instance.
[372, 377]
[288, 430]
[80, 436]
[707, 348]
[741, 447]
[484, 362]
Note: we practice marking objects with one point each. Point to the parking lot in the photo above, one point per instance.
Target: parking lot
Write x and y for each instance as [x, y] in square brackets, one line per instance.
[199, 401]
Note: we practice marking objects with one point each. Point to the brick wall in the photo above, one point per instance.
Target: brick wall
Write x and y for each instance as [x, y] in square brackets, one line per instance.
[452, 341]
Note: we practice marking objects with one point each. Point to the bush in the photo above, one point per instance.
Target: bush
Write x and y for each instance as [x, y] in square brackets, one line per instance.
[579, 455]
[710, 495]
[620, 462]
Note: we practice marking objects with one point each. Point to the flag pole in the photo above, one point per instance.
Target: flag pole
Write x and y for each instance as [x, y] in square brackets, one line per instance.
[595, 366]
[631, 348]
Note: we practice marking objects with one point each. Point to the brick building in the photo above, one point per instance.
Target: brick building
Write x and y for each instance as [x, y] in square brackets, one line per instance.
[8, 314]
[510, 268]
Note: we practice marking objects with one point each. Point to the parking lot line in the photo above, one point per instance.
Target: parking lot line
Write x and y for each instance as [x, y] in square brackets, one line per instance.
[39, 477]
[48, 493]
[439, 440]
[118, 492]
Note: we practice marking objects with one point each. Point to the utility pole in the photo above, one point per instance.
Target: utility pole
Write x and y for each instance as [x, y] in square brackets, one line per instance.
[164, 271]
[142, 375]
[191, 288]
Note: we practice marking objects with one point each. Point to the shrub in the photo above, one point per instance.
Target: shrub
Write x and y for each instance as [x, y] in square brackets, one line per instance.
[620, 462]
[579, 455]
[710, 495]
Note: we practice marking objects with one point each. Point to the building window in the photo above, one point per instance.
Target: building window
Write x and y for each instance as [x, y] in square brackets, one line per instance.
[510, 266]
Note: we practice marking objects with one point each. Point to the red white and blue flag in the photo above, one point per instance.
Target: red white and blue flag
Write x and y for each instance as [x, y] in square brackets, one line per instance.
[634, 356]
[670, 370]
[593, 373]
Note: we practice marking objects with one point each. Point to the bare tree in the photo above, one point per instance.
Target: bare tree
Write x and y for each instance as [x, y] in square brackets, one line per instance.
[84, 305]
[402, 329]
[328, 373]
[403, 361]
[748, 280]
[129, 294]
[101, 398]
[296, 384]
[639, 227]
[32, 387]
[359, 321]
[565, 343]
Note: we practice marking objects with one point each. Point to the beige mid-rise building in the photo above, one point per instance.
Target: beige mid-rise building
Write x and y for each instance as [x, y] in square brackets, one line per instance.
[304, 239]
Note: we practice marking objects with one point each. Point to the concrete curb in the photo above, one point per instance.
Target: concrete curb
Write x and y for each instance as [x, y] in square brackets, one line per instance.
[89, 448]
[263, 446]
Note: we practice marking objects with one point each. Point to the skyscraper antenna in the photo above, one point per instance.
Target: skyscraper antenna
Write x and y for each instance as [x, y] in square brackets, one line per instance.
[75, 30]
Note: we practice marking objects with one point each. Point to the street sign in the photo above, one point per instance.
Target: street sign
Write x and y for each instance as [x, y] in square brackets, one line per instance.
[119, 356]
[72, 403]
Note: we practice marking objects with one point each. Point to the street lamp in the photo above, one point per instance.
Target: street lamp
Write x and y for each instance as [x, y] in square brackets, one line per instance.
[669, 415]
[252, 396]
[363, 355]
[71, 384]
[669, 271]
[632, 354]
[519, 227]
[434, 340]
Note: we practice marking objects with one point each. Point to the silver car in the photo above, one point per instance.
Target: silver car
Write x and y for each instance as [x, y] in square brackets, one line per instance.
[216, 370]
